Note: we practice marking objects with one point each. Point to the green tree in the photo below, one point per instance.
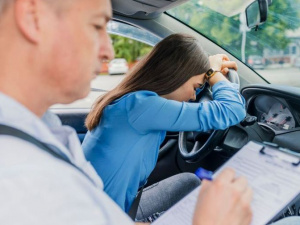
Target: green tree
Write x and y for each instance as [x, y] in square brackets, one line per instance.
[128, 48]
[225, 31]
[283, 15]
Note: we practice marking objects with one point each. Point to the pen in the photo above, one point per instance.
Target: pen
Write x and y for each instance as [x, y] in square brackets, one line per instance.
[204, 174]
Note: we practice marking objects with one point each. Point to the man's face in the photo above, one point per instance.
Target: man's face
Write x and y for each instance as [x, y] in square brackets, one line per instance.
[75, 43]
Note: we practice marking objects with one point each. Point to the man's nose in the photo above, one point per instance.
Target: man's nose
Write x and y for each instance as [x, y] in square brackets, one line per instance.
[106, 50]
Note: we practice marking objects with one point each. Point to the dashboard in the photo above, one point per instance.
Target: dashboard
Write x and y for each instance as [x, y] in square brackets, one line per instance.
[274, 112]
[277, 109]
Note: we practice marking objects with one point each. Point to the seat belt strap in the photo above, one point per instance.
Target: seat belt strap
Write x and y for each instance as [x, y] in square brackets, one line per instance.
[11, 131]
[134, 207]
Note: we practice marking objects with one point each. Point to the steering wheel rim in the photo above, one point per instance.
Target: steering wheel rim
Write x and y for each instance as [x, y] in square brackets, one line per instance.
[199, 151]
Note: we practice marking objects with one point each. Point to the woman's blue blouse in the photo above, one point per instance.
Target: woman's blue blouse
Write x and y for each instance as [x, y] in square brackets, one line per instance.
[124, 147]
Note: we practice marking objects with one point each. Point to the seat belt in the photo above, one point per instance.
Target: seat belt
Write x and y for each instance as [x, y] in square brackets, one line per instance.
[11, 131]
[135, 205]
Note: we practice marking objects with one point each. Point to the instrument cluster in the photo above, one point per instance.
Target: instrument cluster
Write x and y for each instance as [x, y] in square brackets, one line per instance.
[274, 112]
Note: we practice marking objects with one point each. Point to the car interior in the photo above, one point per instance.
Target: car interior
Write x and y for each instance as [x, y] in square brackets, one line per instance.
[273, 110]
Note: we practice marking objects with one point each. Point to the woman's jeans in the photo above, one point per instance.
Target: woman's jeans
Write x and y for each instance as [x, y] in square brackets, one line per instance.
[160, 196]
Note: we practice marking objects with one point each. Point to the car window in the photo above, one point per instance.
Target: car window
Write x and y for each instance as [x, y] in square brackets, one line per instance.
[130, 45]
[118, 61]
[272, 50]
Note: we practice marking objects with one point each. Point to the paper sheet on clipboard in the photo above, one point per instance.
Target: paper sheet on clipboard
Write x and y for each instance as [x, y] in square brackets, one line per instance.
[275, 182]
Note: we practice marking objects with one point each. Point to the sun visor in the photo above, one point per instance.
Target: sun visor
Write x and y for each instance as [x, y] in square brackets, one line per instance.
[233, 7]
[144, 9]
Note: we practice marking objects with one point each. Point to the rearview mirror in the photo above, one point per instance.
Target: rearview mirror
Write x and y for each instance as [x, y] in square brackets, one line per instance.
[256, 13]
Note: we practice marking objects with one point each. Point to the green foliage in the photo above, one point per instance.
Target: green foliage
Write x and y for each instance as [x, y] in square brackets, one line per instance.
[222, 30]
[283, 15]
[128, 48]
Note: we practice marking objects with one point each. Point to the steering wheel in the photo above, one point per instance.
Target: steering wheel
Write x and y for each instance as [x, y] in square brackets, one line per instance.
[204, 142]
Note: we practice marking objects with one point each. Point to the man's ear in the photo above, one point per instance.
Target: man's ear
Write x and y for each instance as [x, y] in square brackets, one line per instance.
[26, 13]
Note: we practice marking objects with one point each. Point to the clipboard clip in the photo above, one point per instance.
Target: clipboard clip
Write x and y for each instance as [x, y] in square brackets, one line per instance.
[283, 154]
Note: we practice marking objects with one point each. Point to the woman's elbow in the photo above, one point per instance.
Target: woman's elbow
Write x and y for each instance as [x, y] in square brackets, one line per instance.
[234, 115]
[239, 114]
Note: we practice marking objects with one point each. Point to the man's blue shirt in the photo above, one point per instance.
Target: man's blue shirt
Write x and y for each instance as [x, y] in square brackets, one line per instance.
[124, 147]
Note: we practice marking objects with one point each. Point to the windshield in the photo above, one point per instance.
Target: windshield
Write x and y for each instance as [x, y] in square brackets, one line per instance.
[273, 51]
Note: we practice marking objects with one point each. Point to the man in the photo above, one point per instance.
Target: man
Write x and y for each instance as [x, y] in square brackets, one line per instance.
[50, 51]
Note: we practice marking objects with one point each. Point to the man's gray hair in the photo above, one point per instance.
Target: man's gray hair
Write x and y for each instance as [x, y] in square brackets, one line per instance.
[4, 4]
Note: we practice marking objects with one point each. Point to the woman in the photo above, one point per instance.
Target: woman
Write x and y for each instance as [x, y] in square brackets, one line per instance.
[128, 124]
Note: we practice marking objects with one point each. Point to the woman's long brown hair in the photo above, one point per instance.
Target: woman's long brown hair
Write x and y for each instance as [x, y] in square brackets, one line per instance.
[171, 63]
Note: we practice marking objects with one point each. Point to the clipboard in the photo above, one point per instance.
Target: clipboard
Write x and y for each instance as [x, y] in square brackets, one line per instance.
[280, 157]
[272, 172]
[288, 209]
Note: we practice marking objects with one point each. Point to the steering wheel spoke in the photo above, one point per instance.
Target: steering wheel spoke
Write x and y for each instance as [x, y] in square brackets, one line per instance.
[196, 147]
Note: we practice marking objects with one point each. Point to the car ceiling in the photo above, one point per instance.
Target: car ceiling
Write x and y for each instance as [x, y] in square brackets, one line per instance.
[232, 7]
[143, 9]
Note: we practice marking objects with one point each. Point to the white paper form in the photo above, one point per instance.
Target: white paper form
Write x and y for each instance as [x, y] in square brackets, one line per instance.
[274, 180]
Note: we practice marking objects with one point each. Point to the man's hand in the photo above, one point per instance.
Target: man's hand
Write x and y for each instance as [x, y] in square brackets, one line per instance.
[224, 201]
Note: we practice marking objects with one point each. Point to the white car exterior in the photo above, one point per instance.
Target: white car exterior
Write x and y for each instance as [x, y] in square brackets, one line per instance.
[118, 66]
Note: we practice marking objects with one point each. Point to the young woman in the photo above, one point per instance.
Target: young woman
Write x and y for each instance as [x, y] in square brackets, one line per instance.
[128, 124]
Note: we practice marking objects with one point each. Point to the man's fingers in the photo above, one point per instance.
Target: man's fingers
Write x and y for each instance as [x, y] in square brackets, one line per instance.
[241, 184]
[205, 184]
[248, 196]
[226, 176]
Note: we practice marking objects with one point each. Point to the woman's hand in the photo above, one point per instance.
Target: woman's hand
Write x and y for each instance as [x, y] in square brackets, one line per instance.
[226, 200]
[226, 65]
[216, 61]
[220, 62]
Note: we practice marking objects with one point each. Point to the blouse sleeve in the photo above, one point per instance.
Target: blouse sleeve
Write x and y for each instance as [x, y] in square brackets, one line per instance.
[148, 112]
